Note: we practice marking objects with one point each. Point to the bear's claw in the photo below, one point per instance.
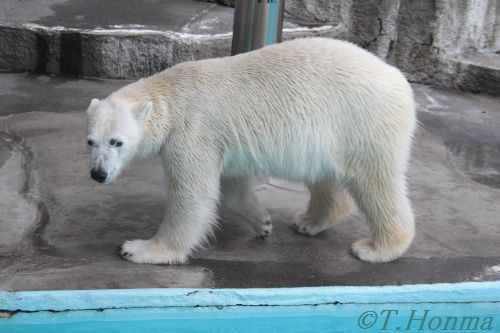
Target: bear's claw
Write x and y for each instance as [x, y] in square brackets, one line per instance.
[149, 252]
[123, 254]
[266, 228]
[265, 234]
[305, 226]
[300, 229]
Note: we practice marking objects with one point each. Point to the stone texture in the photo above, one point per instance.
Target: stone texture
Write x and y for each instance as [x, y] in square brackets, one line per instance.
[18, 49]
[412, 50]
[373, 24]
[229, 3]
[468, 27]
[134, 56]
[316, 12]
[471, 73]
[439, 42]
[116, 55]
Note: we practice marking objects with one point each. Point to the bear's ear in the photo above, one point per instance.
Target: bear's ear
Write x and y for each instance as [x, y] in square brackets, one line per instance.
[143, 111]
[93, 104]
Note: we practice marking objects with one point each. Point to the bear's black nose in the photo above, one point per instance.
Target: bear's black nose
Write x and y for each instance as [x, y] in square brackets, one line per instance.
[99, 175]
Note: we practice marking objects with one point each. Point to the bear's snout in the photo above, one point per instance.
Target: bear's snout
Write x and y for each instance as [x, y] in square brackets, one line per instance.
[98, 174]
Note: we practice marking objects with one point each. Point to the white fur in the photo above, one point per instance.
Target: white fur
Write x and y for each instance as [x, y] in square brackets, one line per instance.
[316, 110]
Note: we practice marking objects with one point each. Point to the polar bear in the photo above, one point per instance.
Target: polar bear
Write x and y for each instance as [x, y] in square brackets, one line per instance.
[320, 111]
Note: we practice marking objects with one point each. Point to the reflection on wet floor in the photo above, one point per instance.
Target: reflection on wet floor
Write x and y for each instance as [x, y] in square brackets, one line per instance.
[469, 126]
[480, 162]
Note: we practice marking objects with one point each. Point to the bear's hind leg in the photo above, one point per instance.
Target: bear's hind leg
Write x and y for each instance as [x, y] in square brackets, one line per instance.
[328, 204]
[238, 197]
[383, 199]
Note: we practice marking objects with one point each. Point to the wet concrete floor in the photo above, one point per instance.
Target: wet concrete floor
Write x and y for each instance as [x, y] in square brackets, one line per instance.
[59, 229]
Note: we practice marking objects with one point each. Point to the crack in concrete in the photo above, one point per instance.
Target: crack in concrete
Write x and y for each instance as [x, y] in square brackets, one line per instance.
[10, 313]
[368, 43]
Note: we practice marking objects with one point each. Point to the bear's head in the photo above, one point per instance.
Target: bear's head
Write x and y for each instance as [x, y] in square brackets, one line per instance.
[115, 130]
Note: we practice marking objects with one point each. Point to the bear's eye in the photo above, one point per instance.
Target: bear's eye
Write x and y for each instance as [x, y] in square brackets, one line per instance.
[119, 144]
[90, 142]
[112, 142]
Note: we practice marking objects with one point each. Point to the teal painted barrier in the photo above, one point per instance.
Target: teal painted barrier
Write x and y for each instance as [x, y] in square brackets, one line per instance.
[459, 307]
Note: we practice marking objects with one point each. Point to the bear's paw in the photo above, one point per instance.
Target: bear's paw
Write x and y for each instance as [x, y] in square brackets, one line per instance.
[150, 252]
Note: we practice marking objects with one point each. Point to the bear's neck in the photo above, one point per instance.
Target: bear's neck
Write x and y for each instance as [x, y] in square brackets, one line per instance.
[156, 126]
[153, 137]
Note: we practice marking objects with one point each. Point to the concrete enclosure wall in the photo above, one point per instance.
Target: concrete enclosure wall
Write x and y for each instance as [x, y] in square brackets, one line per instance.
[451, 43]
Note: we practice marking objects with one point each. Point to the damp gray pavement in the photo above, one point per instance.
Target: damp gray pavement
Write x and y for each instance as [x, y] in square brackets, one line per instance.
[184, 16]
[59, 229]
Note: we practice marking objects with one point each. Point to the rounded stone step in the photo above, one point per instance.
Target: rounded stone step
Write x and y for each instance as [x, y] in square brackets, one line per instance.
[100, 39]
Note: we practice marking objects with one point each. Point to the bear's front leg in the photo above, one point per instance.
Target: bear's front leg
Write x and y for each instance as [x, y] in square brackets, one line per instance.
[192, 195]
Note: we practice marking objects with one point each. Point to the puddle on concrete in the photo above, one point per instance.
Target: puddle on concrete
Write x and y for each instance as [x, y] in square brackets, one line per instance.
[469, 126]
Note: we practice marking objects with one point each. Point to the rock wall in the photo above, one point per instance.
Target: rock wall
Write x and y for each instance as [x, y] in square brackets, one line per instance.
[451, 43]
[468, 26]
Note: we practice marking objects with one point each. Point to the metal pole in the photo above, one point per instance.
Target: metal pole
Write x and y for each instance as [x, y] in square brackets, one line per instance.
[257, 23]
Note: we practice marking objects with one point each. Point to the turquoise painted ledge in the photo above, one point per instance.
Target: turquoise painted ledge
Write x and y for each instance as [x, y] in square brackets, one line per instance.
[459, 307]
